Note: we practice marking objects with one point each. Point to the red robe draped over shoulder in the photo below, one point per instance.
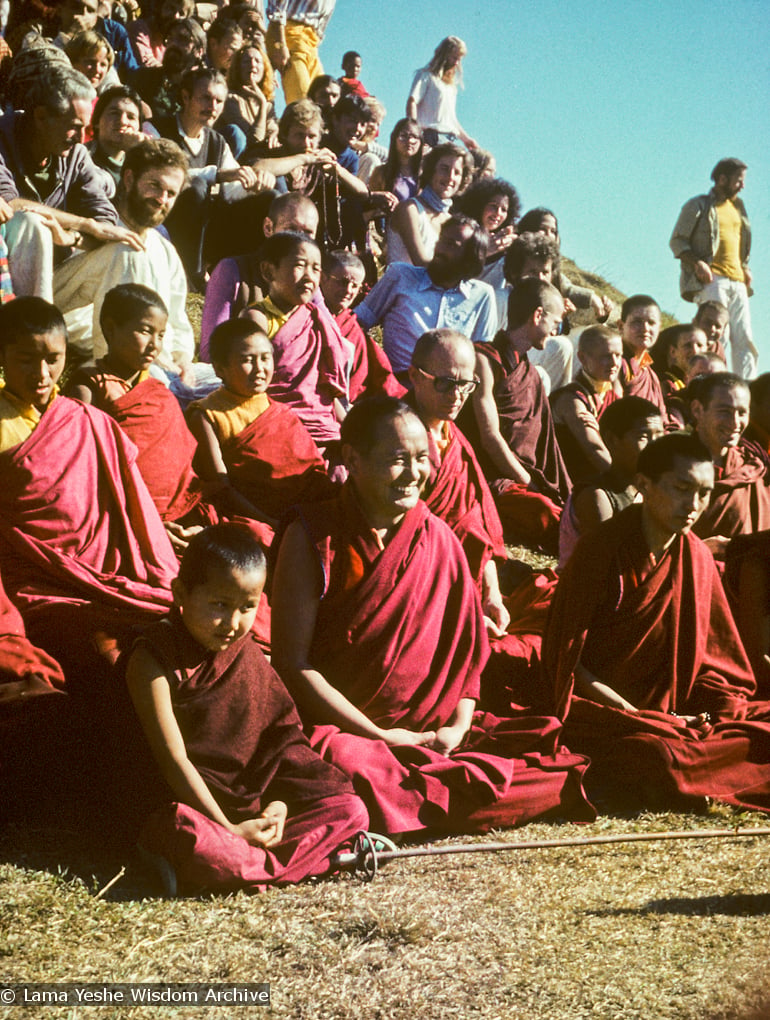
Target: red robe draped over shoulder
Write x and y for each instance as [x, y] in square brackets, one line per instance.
[372, 372]
[275, 463]
[242, 733]
[76, 520]
[400, 633]
[662, 636]
[152, 419]
[740, 502]
[312, 365]
[530, 513]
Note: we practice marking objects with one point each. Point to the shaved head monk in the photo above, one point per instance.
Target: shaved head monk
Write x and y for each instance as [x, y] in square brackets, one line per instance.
[443, 376]
[379, 634]
[740, 503]
[645, 663]
[509, 421]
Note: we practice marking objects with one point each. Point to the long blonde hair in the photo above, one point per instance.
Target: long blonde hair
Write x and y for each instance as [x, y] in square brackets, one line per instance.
[440, 61]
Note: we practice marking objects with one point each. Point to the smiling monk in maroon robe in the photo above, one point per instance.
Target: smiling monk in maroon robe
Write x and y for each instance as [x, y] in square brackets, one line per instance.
[645, 662]
[378, 630]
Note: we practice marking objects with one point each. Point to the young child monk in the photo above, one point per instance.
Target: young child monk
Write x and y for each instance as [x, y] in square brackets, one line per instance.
[249, 803]
[83, 552]
[254, 450]
[378, 628]
[133, 320]
[312, 359]
[342, 277]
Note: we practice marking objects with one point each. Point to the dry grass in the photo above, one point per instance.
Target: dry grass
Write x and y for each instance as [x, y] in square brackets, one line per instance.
[656, 930]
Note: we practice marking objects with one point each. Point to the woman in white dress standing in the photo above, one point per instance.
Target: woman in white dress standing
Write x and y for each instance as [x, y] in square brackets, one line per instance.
[433, 97]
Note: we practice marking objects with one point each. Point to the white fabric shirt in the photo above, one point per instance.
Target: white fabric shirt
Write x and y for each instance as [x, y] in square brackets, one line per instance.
[436, 102]
[81, 283]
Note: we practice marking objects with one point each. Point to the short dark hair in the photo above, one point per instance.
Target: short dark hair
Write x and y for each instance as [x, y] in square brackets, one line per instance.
[430, 162]
[224, 337]
[659, 456]
[636, 301]
[221, 546]
[349, 55]
[282, 244]
[727, 168]
[702, 388]
[760, 388]
[26, 316]
[625, 414]
[104, 100]
[667, 340]
[527, 295]
[710, 306]
[361, 426]
[525, 246]
[221, 27]
[429, 341]
[592, 334]
[191, 78]
[474, 200]
[352, 106]
[126, 301]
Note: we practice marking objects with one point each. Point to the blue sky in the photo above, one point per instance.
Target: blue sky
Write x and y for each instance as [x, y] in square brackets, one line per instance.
[611, 114]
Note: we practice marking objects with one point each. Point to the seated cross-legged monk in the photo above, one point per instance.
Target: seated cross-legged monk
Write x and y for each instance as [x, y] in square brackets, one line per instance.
[133, 321]
[379, 633]
[509, 423]
[740, 502]
[645, 662]
[83, 552]
[244, 801]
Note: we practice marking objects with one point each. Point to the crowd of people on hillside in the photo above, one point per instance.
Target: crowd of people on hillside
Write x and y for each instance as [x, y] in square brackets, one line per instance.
[261, 587]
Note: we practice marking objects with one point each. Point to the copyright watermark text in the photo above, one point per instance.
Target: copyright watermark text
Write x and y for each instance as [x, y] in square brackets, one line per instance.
[145, 994]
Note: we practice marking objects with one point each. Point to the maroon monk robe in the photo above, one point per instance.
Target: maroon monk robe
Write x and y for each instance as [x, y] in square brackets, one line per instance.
[242, 733]
[529, 513]
[312, 364]
[274, 462]
[662, 636]
[83, 551]
[372, 372]
[400, 633]
[151, 417]
[458, 493]
[740, 502]
[638, 379]
[20, 661]
[575, 459]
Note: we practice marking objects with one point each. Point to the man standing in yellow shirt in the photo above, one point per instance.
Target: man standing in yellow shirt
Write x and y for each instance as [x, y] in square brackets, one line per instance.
[712, 240]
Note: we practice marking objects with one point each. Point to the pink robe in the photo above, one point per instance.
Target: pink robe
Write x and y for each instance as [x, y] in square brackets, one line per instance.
[400, 633]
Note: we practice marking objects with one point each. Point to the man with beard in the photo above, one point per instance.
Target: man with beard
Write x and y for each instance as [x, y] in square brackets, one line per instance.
[159, 86]
[51, 194]
[154, 173]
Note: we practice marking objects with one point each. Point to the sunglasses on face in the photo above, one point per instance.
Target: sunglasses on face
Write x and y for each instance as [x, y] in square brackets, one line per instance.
[446, 384]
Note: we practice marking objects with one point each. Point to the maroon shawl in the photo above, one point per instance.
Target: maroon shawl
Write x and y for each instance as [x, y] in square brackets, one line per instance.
[740, 502]
[372, 372]
[578, 465]
[312, 362]
[663, 637]
[458, 493]
[275, 463]
[240, 727]
[525, 423]
[76, 520]
[18, 656]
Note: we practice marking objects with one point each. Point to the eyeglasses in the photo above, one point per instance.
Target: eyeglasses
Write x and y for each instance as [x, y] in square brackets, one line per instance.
[445, 383]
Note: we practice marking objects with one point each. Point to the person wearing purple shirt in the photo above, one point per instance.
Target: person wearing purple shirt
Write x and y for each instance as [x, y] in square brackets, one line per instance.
[410, 300]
